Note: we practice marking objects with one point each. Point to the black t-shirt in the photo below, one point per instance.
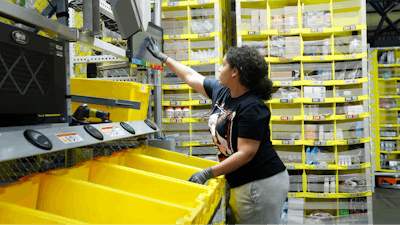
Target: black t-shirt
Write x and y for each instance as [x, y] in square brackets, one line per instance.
[247, 117]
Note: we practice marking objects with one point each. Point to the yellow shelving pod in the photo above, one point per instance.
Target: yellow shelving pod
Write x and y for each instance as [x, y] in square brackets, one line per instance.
[197, 34]
[317, 55]
[384, 67]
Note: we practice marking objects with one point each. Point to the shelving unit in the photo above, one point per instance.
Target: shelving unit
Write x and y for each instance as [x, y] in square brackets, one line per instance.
[385, 94]
[321, 99]
[190, 27]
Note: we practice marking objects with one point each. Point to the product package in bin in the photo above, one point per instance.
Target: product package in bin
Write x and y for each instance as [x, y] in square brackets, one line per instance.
[287, 93]
[118, 90]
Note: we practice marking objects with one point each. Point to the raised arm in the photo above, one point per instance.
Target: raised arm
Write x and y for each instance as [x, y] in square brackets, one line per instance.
[187, 74]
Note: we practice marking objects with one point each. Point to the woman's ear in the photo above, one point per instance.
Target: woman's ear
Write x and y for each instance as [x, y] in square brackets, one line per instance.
[235, 72]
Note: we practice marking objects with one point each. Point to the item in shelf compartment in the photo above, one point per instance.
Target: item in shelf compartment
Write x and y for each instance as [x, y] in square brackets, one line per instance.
[178, 112]
[263, 20]
[255, 20]
[387, 104]
[388, 146]
[203, 54]
[314, 92]
[186, 112]
[277, 20]
[282, 74]
[317, 19]
[287, 93]
[290, 17]
[320, 217]
[388, 134]
[199, 26]
[310, 132]
[169, 112]
[387, 57]
[355, 44]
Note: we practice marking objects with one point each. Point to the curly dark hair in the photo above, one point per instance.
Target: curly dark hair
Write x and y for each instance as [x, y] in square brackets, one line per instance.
[253, 70]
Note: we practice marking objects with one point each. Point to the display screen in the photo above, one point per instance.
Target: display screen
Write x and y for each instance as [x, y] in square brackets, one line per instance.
[140, 43]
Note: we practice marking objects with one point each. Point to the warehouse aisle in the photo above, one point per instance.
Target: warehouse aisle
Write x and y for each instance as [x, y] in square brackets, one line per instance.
[386, 204]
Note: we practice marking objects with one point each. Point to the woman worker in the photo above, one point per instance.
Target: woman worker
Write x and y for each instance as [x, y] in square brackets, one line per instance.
[239, 126]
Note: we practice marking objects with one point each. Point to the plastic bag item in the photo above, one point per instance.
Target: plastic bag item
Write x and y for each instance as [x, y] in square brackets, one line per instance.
[383, 58]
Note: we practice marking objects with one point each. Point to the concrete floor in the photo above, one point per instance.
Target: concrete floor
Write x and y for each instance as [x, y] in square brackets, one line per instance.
[386, 206]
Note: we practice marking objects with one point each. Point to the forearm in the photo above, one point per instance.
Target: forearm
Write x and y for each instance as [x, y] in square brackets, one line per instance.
[232, 163]
[182, 71]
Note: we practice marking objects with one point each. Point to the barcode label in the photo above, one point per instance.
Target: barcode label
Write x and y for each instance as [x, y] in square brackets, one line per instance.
[254, 32]
[386, 65]
[178, 143]
[352, 167]
[317, 30]
[292, 195]
[175, 36]
[350, 82]
[204, 101]
[318, 100]
[321, 58]
[353, 141]
[286, 100]
[347, 56]
[351, 99]
[319, 118]
[286, 83]
[287, 118]
[320, 143]
[204, 35]
[354, 56]
[307, 118]
[203, 1]
[173, 3]
[388, 125]
[290, 167]
[318, 82]
[283, 60]
[203, 119]
[287, 31]
[352, 195]
[352, 116]
[349, 28]
[315, 58]
[176, 103]
[320, 167]
[281, 31]
[288, 142]
[358, 195]
[175, 86]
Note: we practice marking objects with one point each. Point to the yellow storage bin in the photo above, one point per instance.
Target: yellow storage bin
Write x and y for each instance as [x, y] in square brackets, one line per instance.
[92, 203]
[134, 159]
[13, 214]
[217, 186]
[142, 183]
[115, 90]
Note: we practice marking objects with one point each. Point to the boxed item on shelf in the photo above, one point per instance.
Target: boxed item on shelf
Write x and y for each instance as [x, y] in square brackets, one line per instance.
[290, 17]
[314, 92]
[263, 20]
[176, 45]
[277, 19]
[292, 45]
[310, 132]
[295, 211]
[255, 20]
[287, 92]
[281, 74]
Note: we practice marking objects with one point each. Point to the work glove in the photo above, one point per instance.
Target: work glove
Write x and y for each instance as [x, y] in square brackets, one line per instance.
[154, 49]
[201, 177]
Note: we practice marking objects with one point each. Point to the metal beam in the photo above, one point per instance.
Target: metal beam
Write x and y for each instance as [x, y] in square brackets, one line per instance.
[379, 9]
[385, 43]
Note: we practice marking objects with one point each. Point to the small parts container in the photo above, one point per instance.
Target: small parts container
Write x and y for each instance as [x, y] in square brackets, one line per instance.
[178, 112]
[169, 112]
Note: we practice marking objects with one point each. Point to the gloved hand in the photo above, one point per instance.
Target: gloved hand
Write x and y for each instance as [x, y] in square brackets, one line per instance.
[201, 177]
[154, 49]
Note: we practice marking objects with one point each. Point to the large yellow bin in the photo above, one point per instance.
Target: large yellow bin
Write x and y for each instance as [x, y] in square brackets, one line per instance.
[12, 213]
[92, 203]
[133, 158]
[161, 188]
[114, 90]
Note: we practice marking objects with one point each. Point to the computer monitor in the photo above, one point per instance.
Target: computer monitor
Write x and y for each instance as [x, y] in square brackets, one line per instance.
[139, 44]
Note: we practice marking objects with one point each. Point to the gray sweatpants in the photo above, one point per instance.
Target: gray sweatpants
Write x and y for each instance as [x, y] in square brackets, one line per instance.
[260, 201]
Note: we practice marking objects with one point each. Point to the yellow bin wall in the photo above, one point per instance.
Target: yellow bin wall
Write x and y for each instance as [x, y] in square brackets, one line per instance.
[92, 203]
[113, 89]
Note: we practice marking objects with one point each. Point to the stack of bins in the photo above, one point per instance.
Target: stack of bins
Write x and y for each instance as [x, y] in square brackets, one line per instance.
[144, 185]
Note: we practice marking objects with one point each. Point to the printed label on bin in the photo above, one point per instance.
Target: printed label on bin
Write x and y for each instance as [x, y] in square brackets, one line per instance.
[175, 86]
[69, 138]
[353, 56]
[205, 142]
[352, 167]
[320, 143]
[347, 56]
[386, 65]
[143, 89]
[388, 125]
[318, 82]
[286, 83]
[205, 101]
[288, 142]
[352, 195]
[358, 195]
[254, 32]
[349, 28]
[287, 118]
[317, 30]
[113, 131]
[203, 119]
[203, 1]
[320, 167]
[290, 167]
[352, 116]
[350, 82]
[175, 36]
[178, 143]
[204, 35]
[286, 100]
[292, 195]
[173, 3]
[176, 103]
[353, 141]
[318, 100]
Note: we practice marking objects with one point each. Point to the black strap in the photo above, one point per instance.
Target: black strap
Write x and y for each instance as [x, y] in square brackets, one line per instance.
[62, 14]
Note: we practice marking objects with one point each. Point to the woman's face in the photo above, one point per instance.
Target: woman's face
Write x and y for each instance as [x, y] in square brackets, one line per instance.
[225, 73]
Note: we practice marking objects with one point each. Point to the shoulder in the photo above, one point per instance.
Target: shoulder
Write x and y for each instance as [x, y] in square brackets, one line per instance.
[252, 104]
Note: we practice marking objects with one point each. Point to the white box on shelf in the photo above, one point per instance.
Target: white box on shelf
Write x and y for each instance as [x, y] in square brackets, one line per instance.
[333, 185]
[326, 185]
[314, 92]
[321, 132]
